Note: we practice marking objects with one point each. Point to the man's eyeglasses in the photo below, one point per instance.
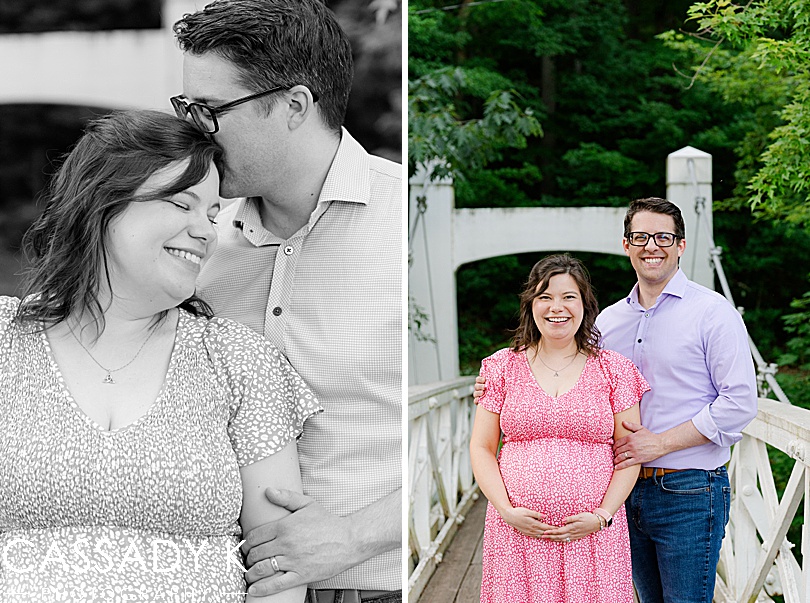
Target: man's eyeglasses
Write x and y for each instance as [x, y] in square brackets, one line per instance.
[206, 117]
[662, 239]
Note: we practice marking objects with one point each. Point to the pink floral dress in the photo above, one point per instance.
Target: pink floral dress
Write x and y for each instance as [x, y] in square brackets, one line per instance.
[557, 459]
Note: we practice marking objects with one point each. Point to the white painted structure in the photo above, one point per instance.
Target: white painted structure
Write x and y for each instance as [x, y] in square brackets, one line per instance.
[441, 487]
[756, 561]
[124, 69]
[442, 238]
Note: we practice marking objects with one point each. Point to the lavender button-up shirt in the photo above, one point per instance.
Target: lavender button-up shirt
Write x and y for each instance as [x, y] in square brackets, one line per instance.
[692, 347]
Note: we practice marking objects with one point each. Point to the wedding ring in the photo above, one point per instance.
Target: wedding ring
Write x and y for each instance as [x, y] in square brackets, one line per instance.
[627, 456]
[274, 564]
[568, 539]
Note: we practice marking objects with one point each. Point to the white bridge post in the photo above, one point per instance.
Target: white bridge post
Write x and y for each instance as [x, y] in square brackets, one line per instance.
[432, 280]
[689, 186]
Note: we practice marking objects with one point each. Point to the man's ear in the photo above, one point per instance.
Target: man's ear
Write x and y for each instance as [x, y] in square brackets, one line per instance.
[301, 106]
[681, 246]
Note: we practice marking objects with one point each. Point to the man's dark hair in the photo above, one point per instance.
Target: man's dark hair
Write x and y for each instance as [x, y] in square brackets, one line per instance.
[655, 205]
[277, 43]
[66, 245]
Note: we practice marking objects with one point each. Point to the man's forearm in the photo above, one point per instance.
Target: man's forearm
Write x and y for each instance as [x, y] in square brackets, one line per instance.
[681, 437]
[377, 527]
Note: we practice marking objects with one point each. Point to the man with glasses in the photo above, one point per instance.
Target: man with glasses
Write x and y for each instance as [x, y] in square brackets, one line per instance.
[692, 347]
[310, 257]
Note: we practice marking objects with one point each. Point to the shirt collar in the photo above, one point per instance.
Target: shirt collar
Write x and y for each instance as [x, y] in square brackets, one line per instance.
[347, 180]
[348, 176]
[676, 286]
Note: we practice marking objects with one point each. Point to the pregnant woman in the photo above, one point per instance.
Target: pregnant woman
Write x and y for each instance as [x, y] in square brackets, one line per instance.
[555, 528]
[138, 433]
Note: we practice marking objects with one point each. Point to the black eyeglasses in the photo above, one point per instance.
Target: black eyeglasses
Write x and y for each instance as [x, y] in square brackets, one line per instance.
[662, 239]
[206, 117]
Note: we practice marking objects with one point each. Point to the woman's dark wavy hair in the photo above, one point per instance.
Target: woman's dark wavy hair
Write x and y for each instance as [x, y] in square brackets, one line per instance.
[527, 334]
[98, 179]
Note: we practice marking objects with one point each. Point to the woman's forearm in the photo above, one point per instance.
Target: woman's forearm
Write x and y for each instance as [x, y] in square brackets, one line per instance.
[621, 484]
[488, 475]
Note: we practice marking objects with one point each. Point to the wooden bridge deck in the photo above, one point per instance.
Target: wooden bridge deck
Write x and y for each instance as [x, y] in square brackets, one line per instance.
[457, 579]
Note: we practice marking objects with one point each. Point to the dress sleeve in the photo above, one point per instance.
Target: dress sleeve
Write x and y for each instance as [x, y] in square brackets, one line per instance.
[8, 309]
[627, 384]
[493, 369]
[270, 402]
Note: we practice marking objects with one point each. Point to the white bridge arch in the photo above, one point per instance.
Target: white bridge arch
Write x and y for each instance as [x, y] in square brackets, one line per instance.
[122, 69]
[442, 238]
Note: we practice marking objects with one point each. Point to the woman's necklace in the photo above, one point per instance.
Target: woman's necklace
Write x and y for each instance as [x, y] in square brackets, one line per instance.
[108, 379]
[556, 371]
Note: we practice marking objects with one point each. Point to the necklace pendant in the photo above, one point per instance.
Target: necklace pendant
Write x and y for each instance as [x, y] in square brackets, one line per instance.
[556, 374]
[108, 379]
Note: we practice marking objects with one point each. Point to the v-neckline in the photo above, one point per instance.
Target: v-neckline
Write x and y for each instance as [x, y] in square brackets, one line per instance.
[89, 421]
[540, 387]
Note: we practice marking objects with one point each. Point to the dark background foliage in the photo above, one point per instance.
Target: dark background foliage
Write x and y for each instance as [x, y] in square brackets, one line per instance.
[613, 99]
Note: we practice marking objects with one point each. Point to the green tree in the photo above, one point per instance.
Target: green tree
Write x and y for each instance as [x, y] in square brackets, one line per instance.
[612, 107]
[774, 42]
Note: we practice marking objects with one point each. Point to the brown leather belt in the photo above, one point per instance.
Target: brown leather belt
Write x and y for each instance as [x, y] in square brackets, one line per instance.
[659, 471]
[349, 595]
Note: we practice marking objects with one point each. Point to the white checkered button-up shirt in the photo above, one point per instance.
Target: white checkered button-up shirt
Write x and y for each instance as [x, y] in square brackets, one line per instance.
[329, 297]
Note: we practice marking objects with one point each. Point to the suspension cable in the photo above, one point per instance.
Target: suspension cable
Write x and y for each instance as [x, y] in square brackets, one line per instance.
[419, 219]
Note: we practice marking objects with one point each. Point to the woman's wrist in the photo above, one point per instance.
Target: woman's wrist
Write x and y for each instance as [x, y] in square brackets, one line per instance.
[503, 510]
[605, 518]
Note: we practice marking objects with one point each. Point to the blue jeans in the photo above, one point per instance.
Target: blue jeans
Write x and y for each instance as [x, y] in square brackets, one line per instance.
[677, 523]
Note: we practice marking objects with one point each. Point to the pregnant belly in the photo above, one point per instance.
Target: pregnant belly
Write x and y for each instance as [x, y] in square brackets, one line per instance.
[556, 477]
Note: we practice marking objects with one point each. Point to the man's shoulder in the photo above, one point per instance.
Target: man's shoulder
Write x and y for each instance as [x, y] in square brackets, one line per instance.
[614, 308]
[708, 298]
[385, 167]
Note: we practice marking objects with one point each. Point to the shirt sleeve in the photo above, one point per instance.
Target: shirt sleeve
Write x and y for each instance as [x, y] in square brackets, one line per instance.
[627, 385]
[493, 369]
[731, 369]
[270, 401]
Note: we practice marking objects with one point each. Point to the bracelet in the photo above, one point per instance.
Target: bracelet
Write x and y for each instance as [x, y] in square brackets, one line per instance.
[602, 523]
[600, 512]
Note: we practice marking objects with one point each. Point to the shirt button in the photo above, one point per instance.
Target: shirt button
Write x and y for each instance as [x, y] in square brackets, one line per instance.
[647, 314]
[277, 311]
[288, 250]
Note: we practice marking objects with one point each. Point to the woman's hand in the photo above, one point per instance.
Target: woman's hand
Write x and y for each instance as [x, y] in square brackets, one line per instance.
[526, 521]
[574, 528]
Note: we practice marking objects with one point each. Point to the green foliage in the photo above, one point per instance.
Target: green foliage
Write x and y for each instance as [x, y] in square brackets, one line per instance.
[497, 186]
[775, 37]
[798, 324]
[595, 172]
[773, 66]
[615, 96]
[441, 136]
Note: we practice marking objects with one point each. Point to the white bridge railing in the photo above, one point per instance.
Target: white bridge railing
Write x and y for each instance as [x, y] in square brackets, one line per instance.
[756, 554]
[440, 418]
[756, 561]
